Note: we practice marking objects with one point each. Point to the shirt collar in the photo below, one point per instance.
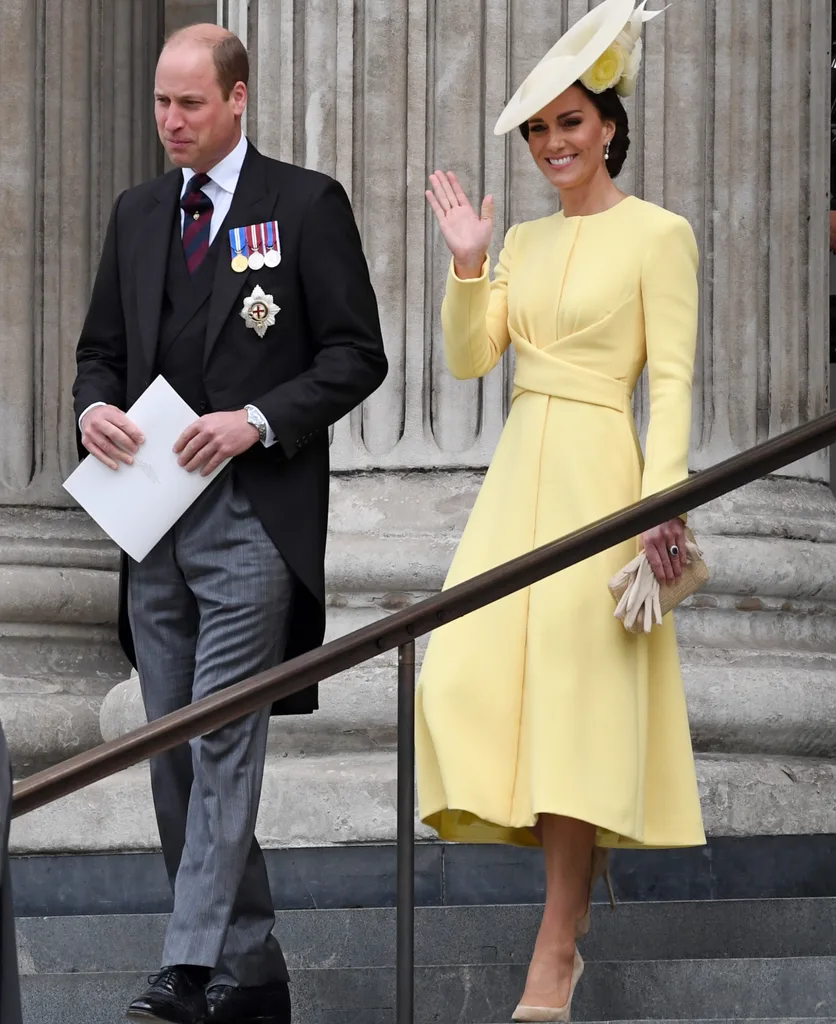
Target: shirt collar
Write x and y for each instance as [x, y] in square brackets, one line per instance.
[226, 172]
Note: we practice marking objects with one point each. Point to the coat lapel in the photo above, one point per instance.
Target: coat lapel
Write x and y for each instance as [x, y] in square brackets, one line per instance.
[253, 203]
[152, 259]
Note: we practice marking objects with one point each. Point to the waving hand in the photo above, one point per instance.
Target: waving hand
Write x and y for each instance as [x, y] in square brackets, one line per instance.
[467, 233]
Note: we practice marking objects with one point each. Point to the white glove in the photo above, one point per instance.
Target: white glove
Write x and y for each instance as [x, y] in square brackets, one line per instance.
[640, 601]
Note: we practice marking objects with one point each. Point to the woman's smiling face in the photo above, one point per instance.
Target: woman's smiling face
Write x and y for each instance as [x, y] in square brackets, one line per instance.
[567, 139]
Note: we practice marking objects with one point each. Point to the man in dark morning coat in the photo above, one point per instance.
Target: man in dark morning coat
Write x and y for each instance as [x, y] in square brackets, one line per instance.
[268, 355]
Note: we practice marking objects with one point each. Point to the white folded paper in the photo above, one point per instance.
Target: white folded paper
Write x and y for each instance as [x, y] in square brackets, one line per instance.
[137, 505]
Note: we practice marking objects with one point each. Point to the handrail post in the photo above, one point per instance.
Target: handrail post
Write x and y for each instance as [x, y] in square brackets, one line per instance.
[405, 955]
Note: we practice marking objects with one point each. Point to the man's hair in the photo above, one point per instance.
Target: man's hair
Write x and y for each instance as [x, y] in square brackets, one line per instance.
[232, 65]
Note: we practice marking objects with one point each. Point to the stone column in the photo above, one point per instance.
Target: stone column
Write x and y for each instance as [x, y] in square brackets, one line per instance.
[730, 128]
[78, 129]
[179, 13]
[760, 644]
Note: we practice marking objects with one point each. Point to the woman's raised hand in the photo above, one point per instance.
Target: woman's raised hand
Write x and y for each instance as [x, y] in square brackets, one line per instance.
[467, 234]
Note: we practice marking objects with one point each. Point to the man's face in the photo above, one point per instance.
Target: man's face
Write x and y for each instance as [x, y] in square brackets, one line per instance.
[197, 126]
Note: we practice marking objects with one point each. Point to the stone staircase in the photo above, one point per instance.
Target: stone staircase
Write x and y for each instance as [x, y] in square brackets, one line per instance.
[719, 960]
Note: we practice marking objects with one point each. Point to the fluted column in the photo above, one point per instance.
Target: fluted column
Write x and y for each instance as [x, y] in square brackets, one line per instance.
[761, 183]
[78, 129]
[729, 127]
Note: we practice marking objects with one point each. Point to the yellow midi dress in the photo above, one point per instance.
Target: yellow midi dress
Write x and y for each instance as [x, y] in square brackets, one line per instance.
[543, 702]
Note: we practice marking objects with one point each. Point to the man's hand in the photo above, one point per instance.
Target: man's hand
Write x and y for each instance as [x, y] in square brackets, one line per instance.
[107, 433]
[211, 439]
[657, 545]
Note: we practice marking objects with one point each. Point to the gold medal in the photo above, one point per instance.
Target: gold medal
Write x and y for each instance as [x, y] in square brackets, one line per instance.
[238, 246]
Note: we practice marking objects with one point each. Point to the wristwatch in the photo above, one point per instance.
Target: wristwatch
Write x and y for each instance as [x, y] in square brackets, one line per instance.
[258, 421]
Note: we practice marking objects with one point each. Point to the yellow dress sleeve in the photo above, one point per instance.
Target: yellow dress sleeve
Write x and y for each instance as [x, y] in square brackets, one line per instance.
[474, 317]
[670, 296]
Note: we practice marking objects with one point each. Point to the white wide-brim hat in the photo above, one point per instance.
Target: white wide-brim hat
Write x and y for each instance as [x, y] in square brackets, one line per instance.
[571, 56]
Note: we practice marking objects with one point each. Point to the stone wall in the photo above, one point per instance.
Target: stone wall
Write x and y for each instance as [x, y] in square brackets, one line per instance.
[730, 128]
[179, 13]
[78, 129]
[379, 94]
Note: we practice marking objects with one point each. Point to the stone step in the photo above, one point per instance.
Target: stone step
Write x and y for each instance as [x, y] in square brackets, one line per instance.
[720, 960]
[464, 994]
[346, 798]
[446, 874]
[458, 936]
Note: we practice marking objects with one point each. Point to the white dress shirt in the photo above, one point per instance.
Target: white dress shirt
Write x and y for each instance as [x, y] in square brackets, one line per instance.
[220, 189]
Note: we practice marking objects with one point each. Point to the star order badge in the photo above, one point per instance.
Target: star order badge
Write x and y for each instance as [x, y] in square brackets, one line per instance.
[259, 311]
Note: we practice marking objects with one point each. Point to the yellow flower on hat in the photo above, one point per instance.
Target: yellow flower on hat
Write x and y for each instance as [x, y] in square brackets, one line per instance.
[608, 70]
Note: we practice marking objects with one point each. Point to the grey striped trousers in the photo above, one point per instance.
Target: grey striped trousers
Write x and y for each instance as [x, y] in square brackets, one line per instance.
[209, 606]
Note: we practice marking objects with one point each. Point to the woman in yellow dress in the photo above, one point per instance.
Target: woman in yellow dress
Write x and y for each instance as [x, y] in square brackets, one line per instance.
[540, 719]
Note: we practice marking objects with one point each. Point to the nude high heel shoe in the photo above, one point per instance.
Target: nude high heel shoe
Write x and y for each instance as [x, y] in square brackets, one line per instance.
[537, 1014]
[600, 869]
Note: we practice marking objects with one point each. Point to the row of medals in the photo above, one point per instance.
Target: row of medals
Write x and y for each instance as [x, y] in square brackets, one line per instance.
[255, 261]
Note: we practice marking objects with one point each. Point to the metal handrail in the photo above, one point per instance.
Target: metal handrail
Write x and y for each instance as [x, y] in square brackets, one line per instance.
[402, 627]
[400, 630]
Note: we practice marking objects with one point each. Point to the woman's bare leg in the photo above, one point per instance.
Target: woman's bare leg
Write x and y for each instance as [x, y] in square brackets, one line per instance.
[567, 847]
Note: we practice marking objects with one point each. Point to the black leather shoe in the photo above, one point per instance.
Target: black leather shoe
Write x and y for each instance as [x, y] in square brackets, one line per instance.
[264, 1004]
[175, 997]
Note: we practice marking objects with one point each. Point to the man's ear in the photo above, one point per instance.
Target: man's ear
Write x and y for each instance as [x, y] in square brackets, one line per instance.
[239, 98]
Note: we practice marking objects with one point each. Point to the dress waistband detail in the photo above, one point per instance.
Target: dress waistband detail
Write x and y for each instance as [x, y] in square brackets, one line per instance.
[545, 374]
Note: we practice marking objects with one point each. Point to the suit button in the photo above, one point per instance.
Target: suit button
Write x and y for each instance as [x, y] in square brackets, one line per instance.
[202, 407]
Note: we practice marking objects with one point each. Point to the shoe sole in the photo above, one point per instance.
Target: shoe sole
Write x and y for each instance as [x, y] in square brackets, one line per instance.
[251, 1020]
[147, 1017]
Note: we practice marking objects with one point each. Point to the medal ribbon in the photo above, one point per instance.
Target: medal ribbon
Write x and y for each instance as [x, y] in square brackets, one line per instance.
[273, 236]
[237, 242]
[252, 238]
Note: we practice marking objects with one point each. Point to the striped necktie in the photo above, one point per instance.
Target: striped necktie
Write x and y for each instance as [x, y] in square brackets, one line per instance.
[198, 209]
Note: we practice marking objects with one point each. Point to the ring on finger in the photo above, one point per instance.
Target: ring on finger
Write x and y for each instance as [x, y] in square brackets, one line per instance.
[673, 551]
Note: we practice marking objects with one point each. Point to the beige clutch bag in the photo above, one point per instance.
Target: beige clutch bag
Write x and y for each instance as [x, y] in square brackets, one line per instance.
[640, 599]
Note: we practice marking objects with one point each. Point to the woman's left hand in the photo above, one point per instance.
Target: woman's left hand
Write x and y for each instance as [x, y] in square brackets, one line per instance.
[658, 543]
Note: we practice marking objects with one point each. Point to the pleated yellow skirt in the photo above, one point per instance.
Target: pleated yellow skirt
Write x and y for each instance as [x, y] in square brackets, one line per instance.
[542, 702]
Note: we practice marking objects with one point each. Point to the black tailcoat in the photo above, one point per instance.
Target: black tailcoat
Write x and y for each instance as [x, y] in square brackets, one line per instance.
[322, 358]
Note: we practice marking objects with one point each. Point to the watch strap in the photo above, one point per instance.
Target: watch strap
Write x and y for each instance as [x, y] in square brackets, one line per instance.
[258, 421]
